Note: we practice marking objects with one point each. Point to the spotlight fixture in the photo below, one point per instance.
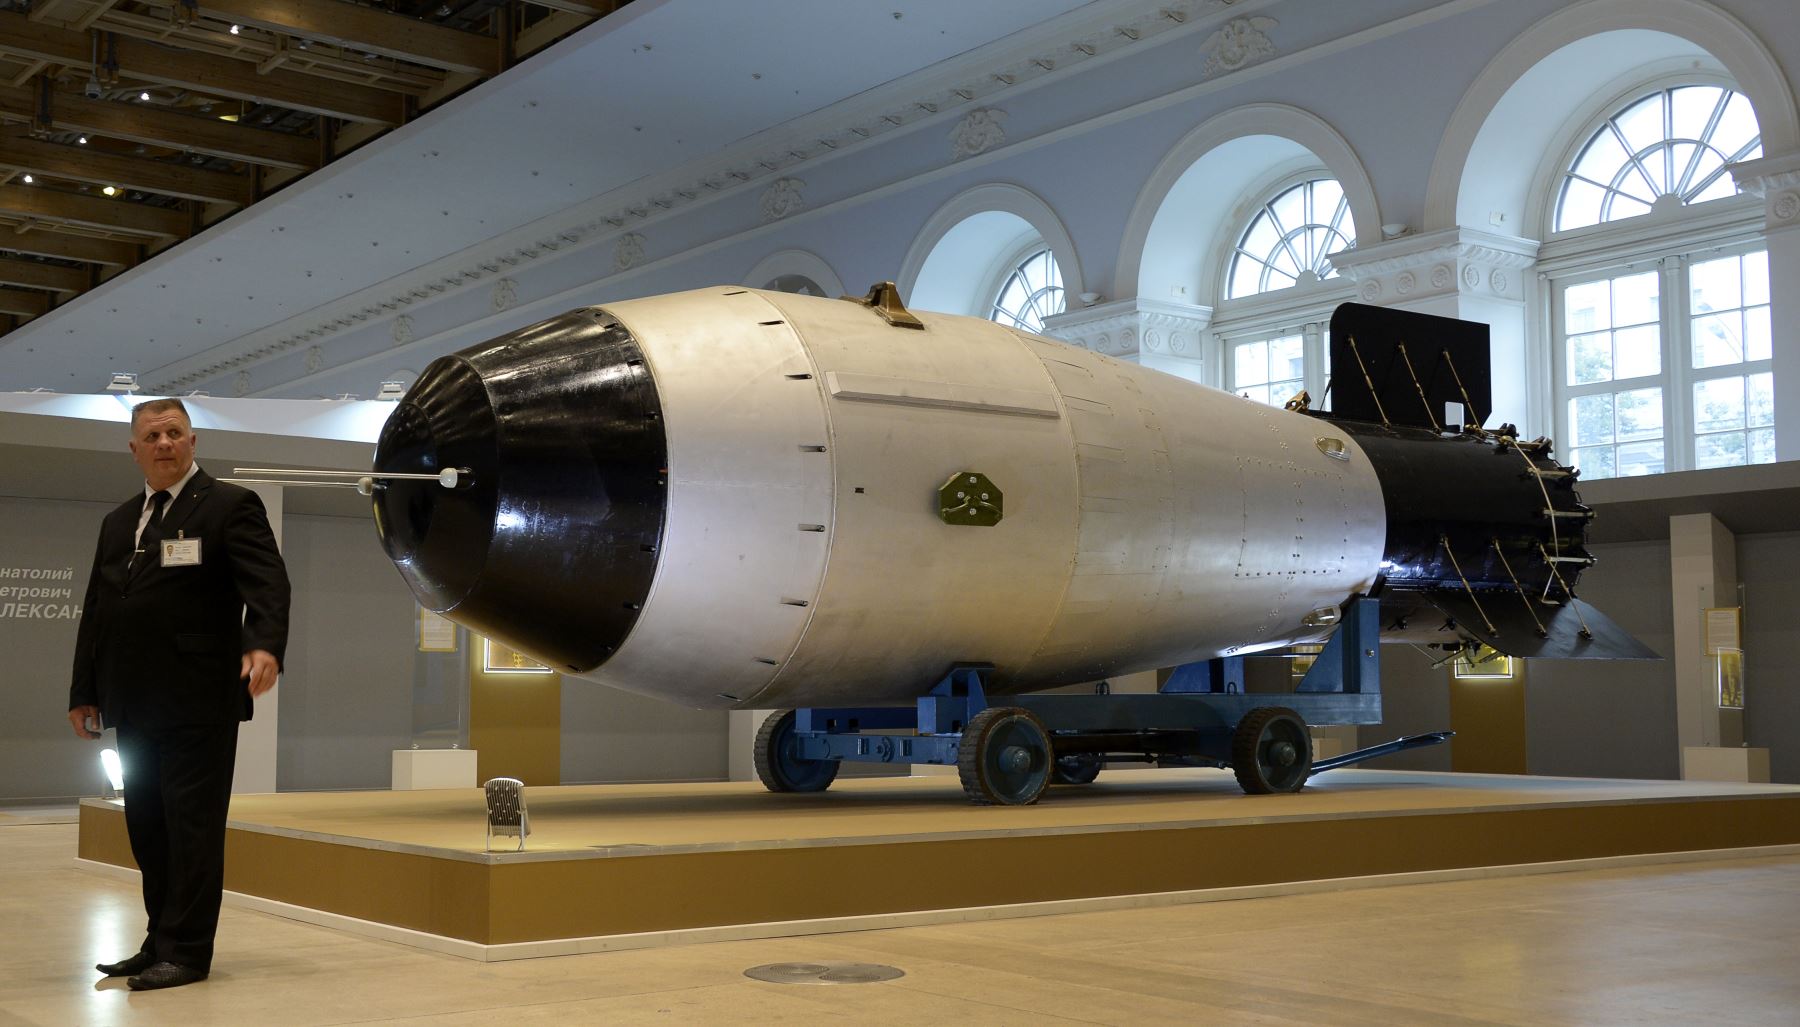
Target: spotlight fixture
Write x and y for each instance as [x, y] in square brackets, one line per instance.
[235, 29]
[29, 180]
[123, 381]
[111, 190]
[144, 96]
[443, 10]
[81, 140]
[303, 44]
[391, 390]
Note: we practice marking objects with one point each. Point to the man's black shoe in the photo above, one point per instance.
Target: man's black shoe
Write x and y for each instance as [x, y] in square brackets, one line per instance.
[166, 975]
[135, 964]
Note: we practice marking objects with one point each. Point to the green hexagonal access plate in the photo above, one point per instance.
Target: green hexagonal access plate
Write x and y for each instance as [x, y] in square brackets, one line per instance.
[969, 498]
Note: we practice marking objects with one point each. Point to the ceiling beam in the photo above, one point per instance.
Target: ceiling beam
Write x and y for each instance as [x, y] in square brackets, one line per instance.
[214, 76]
[23, 302]
[90, 164]
[590, 8]
[40, 242]
[157, 126]
[112, 215]
[35, 274]
[363, 28]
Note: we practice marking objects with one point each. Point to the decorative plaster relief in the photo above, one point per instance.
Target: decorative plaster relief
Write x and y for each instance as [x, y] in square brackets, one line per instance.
[977, 132]
[1405, 283]
[506, 293]
[1456, 260]
[1471, 276]
[403, 329]
[1785, 207]
[1440, 277]
[315, 359]
[628, 252]
[1370, 291]
[1116, 328]
[240, 386]
[782, 199]
[1240, 43]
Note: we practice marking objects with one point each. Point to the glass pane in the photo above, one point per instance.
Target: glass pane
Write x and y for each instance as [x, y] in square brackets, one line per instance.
[1290, 208]
[1260, 393]
[1758, 341]
[1691, 108]
[1762, 446]
[1642, 123]
[1718, 340]
[1626, 207]
[1726, 450]
[1638, 352]
[1715, 285]
[1737, 127]
[1286, 261]
[1595, 463]
[1326, 194]
[1759, 410]
[1246, 276]
[1601, 159]
[1287, 357]
[1635, 299]
[1261, 237]
[1587, 307]
[1633, 183]
[1278, 280]
[1718, 404]
[1640, 458]
[1251, 364]
[1640, 414]
[1590, 358]
[1281, 392]
[1756, 277]
[1590, 420]
[1720, 188]
[1701, 181]
[1580, 205]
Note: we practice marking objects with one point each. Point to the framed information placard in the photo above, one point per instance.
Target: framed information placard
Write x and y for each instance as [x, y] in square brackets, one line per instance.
[1723, 629]
[436, 634]
[497, 658]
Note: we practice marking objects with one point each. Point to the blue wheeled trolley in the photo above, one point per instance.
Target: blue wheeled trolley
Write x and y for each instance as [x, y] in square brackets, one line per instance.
[1007, 751]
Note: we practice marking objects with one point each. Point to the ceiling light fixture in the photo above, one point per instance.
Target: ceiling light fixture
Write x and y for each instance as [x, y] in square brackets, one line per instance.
[81, 140]
[143, 96]
[110, 191]
[235, 29]
[29, 180]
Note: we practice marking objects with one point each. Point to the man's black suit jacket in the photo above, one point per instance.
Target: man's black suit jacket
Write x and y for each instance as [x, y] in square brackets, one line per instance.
[163, 646]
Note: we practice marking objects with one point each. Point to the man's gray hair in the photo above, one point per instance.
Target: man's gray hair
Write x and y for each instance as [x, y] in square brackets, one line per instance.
[157, 406]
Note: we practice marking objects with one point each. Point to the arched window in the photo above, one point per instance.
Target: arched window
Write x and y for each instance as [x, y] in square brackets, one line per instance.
[1288, 241]
[1671, 146]
[1280, 287]
[1031, 290]
[1662, 332]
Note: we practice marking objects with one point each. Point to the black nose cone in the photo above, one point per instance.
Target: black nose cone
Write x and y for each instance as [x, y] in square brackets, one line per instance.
[549, 541]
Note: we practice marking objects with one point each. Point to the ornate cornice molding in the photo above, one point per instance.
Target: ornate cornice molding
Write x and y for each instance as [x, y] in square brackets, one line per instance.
[1124, 328]
[1457, 260]
[1777, 180]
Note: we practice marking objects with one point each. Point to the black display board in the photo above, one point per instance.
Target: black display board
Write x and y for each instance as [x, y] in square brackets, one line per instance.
[1380, 341]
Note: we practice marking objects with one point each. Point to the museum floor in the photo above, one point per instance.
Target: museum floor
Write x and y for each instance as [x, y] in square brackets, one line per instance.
[1710, 942]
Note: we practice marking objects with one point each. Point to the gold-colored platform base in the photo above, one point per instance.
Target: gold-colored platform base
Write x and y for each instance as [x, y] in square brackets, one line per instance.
[618, 865]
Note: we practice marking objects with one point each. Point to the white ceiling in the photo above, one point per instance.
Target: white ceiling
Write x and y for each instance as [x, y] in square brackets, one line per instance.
[660, 84]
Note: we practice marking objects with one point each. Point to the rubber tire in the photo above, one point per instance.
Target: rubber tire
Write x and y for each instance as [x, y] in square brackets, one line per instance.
[778, 767]
[1008, 726]
[1254, 774]
[1079, 769]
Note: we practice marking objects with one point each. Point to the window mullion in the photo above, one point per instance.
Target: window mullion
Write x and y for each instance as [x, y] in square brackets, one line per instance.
[1678, 359]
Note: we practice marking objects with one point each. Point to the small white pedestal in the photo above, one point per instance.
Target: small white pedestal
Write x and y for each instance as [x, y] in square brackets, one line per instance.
[433, 768]
[1718, 763]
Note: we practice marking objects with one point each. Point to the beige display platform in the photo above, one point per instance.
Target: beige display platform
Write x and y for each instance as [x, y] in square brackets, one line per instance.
[616, 866]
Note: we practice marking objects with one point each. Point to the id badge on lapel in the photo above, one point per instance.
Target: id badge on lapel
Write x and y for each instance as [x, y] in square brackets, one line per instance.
[180, 551]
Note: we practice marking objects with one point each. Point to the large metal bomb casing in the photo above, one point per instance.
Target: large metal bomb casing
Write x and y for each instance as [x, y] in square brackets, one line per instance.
[1148, 521]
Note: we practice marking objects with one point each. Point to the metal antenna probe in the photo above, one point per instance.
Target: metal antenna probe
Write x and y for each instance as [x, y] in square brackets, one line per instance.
[363, 482]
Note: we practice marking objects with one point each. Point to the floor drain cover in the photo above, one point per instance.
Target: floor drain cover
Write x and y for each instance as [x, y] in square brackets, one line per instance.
[823, 973]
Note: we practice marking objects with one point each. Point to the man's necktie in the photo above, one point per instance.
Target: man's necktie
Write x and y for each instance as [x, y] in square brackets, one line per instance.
[153, 533]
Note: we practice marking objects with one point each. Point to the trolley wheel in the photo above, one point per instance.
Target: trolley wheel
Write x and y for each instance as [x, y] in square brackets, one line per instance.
[1004, 758]
[779, 763]
[1078, 769]
[1271, 751]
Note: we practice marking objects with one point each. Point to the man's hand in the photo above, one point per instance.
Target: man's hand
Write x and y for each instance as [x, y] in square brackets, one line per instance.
[260, 669]
[78, 718]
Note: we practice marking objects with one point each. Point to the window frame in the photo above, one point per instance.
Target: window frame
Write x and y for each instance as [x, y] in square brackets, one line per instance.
[1303, 309]
[1669, 241]
[1011, 261]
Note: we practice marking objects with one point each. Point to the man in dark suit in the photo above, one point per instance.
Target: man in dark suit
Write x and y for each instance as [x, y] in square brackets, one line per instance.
[185, 622]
